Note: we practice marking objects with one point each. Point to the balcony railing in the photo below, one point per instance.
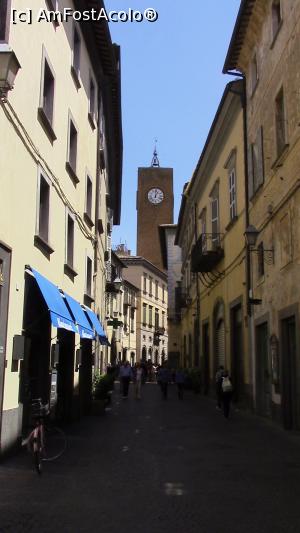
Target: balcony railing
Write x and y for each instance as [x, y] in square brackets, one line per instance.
[182, 299]
[207, 252]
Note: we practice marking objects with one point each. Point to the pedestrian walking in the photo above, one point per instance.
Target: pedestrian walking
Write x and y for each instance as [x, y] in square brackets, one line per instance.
[149, 370]
[219, 379]
[125, 377]
[164, 378]
[226, 394]
[180, 380]
[138, 374]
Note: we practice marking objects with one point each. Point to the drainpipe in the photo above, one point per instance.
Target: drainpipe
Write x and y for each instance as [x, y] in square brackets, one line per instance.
[247, 248]
[244, 107]
[96, 269]
[197, 288]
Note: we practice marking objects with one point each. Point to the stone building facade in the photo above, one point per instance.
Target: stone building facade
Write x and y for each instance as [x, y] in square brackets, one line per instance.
[265, 48]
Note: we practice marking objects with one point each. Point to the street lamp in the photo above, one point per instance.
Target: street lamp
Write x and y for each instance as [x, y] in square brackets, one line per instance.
[117, 284]
[267, 256]
[251, 235]
[9, 66]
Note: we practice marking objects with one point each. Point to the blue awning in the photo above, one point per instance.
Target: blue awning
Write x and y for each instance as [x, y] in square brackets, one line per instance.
[96, 324]
[84, 327]
[60, 316]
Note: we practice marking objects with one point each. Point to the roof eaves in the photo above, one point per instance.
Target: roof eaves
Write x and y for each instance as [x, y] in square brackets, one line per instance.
[238, 35]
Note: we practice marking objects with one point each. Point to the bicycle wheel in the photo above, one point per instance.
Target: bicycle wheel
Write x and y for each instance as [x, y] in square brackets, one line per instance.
[37, 462]
[55, 443]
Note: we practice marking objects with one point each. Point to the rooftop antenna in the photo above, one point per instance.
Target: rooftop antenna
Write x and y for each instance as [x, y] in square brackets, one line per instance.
[155, 160]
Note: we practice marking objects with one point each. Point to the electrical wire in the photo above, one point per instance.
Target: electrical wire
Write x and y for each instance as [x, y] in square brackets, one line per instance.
[12, 116]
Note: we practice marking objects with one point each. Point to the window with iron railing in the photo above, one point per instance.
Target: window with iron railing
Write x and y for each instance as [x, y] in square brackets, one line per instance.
[215, 220]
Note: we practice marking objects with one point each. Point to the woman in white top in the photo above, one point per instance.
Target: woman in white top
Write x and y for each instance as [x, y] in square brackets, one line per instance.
[138, 377]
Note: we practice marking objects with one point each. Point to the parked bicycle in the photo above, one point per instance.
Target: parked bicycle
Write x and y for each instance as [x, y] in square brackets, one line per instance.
[45, 442]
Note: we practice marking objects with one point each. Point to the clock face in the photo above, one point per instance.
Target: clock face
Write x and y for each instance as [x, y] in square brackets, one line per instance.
[155, 196]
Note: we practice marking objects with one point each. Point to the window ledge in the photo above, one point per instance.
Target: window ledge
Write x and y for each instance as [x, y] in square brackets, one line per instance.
[75, 77]
[40, 242]
[88, 219]
[88, 298]
[276, 34]
[231, 223]
[92, 121]
[47, 126]
[72, 173]
[69, 270]
[280, 159]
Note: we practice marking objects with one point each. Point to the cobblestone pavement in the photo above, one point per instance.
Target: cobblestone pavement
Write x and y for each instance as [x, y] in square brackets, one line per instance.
[155, 466]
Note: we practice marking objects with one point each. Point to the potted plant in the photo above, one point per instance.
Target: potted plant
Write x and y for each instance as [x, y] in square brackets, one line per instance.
[102, 389]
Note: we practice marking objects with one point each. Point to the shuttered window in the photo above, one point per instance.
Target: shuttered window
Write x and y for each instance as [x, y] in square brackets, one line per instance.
[255, 164]
[144, 313]
[280, 123]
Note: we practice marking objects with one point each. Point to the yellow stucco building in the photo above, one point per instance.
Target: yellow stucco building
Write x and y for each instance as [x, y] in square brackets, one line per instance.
[210, 232]
[60, 132]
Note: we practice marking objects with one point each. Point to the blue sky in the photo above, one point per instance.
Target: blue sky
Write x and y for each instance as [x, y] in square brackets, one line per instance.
[172, 83]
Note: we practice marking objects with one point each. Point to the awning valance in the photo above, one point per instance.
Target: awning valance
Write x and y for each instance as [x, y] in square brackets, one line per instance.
[97, 326]
[84, 327]
[59, 313]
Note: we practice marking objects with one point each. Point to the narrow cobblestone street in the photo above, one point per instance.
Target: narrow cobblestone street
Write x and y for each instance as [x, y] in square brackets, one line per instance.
[160, 466]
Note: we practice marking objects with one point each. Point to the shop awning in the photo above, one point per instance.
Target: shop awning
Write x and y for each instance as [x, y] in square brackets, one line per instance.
[96, 324]
[84, 327]
[60, 316]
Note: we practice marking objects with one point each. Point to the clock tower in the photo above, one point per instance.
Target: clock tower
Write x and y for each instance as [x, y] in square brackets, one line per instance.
[155, 204]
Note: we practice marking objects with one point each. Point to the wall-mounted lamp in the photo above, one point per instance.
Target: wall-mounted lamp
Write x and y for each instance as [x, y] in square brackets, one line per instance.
[114, 286]
[251, 235]
[9, 66]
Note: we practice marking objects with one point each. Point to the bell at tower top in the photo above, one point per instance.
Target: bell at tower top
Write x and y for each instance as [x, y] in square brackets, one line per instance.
[155, 160]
